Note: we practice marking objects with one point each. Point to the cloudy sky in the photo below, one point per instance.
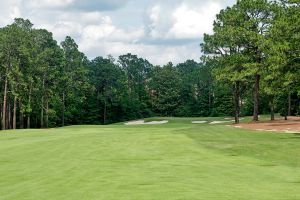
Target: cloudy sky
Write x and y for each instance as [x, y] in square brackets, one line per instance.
[158, 30]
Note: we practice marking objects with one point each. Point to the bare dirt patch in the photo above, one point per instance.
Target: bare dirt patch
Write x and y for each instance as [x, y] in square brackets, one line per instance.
[292, 125]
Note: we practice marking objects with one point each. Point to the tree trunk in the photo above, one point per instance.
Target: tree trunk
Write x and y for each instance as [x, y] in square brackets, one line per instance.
[42, 113]
[209, 99]
[15, 113]
[42, 105]
[21, 116]
[29, 103]
[28, 121]
[286, 110]
[42, 117]
[1, 105]
[63, 110]
[4, 104]
[256, 98]
[46, 113]
[8, 125]
[237, 102]
[272, 109]
[289, 105]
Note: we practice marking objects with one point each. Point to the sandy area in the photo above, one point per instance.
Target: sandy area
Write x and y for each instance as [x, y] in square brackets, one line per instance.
[199, 122]
[292, 125]
[219, 122]
[142, 122]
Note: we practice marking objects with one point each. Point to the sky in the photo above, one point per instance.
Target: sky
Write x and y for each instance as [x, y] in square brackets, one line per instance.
[160, 31]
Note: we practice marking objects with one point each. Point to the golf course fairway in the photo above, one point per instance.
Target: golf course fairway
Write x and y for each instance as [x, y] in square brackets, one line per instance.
[174, 161]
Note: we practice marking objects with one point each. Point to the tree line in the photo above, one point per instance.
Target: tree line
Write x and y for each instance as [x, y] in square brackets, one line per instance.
[46, 84]
[250, 66]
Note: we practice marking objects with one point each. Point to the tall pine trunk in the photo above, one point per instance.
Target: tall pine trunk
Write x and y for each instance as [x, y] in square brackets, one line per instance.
[1, 105]
[21, 116]
[237, 102]
[8, 121]
[256, 97]
[289, 105]
[286, 109]
[272, 109]
[42, 113]
[28, 122]
[46, 113]
[42, 117]
[42, 105]
[4, 103]
[29, 103]
[210, 99]
[15, 113]
[63, 110]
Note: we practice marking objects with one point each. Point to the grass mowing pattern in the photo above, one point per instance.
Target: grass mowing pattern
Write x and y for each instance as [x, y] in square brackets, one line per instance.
[173, 161]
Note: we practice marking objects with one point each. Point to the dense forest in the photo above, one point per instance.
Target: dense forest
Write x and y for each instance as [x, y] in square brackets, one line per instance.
[250, 66]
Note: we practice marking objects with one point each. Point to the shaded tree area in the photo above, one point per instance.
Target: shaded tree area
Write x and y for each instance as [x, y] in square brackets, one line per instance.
[255, 50]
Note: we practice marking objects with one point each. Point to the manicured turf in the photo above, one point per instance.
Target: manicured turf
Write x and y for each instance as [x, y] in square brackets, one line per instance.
[178, 160]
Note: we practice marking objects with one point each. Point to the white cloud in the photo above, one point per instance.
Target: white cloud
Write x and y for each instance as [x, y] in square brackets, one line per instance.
[88, 5]
[191, 22]
[38, 4]
[185, 19]
[171, 30]
[8, 11]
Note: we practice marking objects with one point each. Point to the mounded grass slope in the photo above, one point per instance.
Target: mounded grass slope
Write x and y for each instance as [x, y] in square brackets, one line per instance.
[173, 161]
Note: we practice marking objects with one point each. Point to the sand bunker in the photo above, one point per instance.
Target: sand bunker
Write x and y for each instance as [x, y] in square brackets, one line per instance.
[292, 125]
[219, 122]
[199, 122]
[142, 122]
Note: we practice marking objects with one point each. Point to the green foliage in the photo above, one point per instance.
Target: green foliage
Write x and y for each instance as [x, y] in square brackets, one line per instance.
[256, 43]
[223, 100]
[165, 90]
[196, 89]
[137, 72]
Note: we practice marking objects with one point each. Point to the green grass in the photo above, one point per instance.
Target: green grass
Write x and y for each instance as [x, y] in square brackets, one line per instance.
[178, 160]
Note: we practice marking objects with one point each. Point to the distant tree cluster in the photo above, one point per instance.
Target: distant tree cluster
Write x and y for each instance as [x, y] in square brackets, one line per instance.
[251, 65]
[46, 84]
[255, 51]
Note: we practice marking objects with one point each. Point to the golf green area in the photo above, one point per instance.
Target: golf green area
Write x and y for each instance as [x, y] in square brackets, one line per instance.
[174, 161]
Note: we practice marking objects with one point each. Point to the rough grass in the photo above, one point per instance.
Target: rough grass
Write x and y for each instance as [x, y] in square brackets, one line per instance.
[173, 161]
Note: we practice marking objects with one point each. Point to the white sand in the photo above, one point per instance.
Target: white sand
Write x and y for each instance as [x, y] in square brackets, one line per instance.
[219, 122]
[237, 126]
[137, 122]
[142, 122]
[199, 122]
[272, 130]
[289, 131]
[157, 122]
